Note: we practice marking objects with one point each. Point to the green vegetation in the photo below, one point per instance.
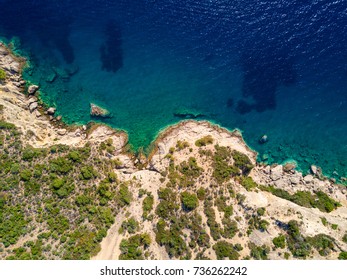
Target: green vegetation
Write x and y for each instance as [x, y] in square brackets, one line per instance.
[52, 190]
[204, 141]
[248, 183]
[181, 145]
[132, 248]
[279, 241]
[344, 238]
[318, 200]
[189, 201]
[2, 75]
[242, 162]
[225, 250]
[147, 205]
[258, 252]
[130, 226]
[343, 256]
[222, 169]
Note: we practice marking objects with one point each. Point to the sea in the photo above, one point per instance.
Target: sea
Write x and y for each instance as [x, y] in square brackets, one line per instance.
[276, 68]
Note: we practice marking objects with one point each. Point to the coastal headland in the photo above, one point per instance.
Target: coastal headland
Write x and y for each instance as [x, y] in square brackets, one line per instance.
[76, 192]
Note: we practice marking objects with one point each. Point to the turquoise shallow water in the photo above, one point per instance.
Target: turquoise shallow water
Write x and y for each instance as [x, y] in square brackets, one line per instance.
[203, 58]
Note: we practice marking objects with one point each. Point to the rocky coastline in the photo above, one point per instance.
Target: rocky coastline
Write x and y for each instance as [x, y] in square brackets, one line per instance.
[196, 142]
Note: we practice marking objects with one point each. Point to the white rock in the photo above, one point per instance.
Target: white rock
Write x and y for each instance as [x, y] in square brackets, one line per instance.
[314, 169]
[37, 114]
[276, 172]
[32, 89]
[33, 106]
[308, 178]
[61, 131]
[32, 100]
[51, 111]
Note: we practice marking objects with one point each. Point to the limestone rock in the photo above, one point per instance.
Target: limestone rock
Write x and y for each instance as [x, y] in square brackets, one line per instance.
[308, 178]
[61, 131]
[97, 111]
[51, 111]
[276, 172]
[33, 106]
[295, 178]
[59, 118]
[37, 114]
[289, 167]
[32, 99]
[32, 89]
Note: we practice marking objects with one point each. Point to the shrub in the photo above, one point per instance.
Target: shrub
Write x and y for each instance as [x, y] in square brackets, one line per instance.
[201, 193]
[2, 75]
[225, 250]
[259, 252]
[204, 141]
[222, 170]
[344, 238]
[60, 165]
[124, 196]
[279, 241]
[248, 183]
[261, 211]
[130, 225]
[147, 205]
[343, 256]
[181, 145]
[189, 201]
[242, 162]
[88, 172]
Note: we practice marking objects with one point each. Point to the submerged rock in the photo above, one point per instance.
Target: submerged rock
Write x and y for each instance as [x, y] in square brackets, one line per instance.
[263, 139]
[97, 111]
[289, 166]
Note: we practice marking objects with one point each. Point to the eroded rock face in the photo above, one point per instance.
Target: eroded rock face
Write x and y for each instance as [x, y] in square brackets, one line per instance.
[97, 111]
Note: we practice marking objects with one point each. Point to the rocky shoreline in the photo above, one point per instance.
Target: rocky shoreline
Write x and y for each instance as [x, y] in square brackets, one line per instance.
[188, 141]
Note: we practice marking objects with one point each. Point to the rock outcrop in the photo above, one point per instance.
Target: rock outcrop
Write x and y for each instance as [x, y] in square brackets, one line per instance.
[97, 111]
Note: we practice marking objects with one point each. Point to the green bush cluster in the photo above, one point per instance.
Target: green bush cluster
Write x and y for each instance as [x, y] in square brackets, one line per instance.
[147, 205]
[189, 201]
[132, 248]
[204, 141]
[3, 75]
[242, 162]
[258, 252]
[225, 250]
[279, 241]
[222, 170]
[318, 200]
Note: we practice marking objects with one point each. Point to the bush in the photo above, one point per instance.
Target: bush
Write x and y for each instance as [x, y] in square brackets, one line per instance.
[259, 252]
[124, 196]
[189, 201]
[344, 238]
[343, 256]
[60, 165]
[204, 141]
[3, 75]
[222, 170]
[201, 193]
[279, 241]
[147, 205]
[225, 250]
[248, 183]
[88, 172]
[242, 162]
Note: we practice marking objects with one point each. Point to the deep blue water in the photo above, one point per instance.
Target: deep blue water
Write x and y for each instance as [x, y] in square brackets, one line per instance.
[267, 67]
